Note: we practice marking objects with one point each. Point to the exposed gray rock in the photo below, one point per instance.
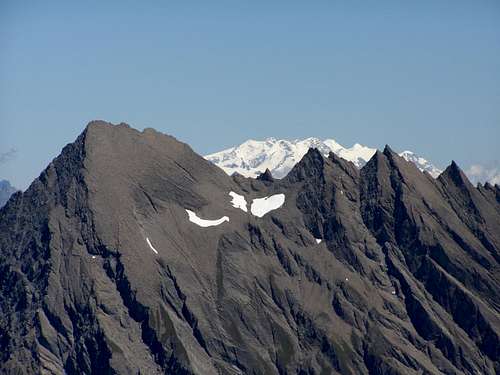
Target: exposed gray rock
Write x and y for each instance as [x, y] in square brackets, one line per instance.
[405, 280]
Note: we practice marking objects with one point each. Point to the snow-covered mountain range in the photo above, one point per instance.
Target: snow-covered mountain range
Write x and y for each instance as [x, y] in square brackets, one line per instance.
[251, 158]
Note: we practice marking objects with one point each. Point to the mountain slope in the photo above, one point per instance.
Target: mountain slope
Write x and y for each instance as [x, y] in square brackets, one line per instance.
[382, 270]
[279, 156]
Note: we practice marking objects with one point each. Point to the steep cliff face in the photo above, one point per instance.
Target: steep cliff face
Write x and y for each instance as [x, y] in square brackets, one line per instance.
[382, 270]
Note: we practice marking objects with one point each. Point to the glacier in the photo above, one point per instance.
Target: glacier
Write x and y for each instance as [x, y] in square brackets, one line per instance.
[253, 157]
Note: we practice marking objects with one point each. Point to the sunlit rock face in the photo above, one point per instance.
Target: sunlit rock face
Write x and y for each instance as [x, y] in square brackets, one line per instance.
[332, 269]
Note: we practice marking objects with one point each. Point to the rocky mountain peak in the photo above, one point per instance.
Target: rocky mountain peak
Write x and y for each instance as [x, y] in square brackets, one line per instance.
[455, 174]
[378, 163]
[388, 151]
[266, 176]
[133, 254]
[310, 166]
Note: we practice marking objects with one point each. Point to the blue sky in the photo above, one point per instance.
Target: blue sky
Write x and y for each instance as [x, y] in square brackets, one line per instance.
[422, 75]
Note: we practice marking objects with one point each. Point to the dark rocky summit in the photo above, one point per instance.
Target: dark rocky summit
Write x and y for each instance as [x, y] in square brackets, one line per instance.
[405, 279]
[6, 190]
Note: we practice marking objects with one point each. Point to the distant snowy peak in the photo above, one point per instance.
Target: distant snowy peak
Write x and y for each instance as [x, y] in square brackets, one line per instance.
[252, 158]
[421, 163]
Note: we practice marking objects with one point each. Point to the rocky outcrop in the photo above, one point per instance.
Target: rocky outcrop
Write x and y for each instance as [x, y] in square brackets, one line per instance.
[382, 270]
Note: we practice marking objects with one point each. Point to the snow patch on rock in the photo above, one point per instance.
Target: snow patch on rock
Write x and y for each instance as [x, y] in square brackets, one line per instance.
[205, 223]
[238, 201]
[261, 206]
[318, 240]
[151, 246]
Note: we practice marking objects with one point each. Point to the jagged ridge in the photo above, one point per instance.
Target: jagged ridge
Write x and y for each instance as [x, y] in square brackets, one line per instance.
[405, 279]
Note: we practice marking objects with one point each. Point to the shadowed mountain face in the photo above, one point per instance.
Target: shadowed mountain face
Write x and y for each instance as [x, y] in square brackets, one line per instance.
[102, 271]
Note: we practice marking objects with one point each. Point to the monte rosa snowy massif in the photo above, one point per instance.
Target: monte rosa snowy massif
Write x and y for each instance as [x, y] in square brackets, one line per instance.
[252, 157]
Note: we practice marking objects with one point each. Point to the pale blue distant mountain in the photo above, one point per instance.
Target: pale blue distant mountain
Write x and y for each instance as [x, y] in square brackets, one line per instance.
[6, 190]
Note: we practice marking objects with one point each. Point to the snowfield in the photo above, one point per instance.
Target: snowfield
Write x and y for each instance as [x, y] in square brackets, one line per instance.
[238, 201]
[261, 206]
[205, 223]
[252, 158]
[151, 246]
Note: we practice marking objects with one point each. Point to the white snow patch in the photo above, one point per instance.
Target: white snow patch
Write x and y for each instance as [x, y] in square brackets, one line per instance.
[238, 201]
[205, 223]
[262, 206]
[151, 246]
[393, 292]
[346, 279]
[93, 256]
[318, 240]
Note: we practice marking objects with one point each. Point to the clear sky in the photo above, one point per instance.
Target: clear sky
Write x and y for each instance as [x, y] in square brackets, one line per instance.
[418, 75]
